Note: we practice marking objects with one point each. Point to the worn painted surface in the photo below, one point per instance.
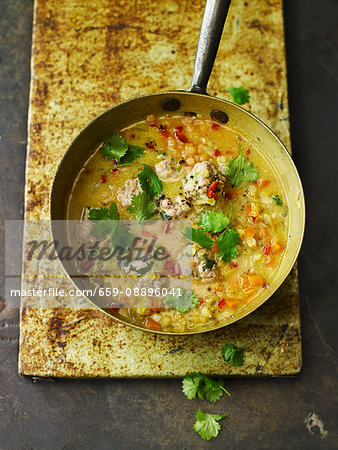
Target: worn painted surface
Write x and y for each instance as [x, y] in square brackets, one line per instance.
[88, 56]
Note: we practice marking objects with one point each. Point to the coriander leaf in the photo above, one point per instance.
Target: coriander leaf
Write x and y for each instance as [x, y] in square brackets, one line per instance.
[184, 302]
[99, 214]
[132, 153]
[104, 213]
[239, 95]
[101, 229]
[198, 236]
[213, 395]
[226, 244]
[233, 355]
[149, 181]
[278, 200]
[121, 236]
[113, 212]
[250, 172]
[142, 206]
[214, 221]
[107, 224]
[191, 384]
[214, 389]
[114, 147]
[209, 264]
[207, 425]
[240, 170]
[110, 213]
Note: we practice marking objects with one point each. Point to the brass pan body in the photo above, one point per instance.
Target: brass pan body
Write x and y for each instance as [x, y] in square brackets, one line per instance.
[137, 109]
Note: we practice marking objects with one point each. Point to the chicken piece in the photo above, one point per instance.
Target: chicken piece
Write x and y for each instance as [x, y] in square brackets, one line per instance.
[184, 260]
[200, 180]
[166, 171]
[179, 207]
[128, 190]
[204, 265]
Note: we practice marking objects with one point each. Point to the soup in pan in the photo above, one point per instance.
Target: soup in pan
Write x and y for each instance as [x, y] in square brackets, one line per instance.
[189, 167]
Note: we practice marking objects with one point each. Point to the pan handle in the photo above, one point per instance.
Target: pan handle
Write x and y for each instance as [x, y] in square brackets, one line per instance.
[215, 13]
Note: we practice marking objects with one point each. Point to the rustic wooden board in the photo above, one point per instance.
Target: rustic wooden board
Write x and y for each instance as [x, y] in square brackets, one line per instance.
[87, 56]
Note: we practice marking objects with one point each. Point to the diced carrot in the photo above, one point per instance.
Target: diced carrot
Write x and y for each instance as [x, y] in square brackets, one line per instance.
[256, 280]
[217, 152]
[151, 324]
[245, 282]
[264, 183]
[277, 247]
[264, 232]
[251, 213]
[215, 126]
[249, 292]
[250, 232]
[270, 261]
[232, 303]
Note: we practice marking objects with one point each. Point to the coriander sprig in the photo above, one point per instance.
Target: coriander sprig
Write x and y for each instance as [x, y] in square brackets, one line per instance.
[240, 169]
[106, 223]
[204, 387]
[115, 147]
[215, 222]
[142, 204]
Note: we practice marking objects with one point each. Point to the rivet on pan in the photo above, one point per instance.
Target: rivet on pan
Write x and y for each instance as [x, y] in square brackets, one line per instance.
[190, 114]
[171, 104]
[219, 116]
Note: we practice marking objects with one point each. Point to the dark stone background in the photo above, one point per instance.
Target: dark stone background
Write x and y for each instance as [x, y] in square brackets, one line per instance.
[263, 413]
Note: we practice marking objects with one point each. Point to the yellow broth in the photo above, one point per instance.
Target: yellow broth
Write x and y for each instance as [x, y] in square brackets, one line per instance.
[261, 222]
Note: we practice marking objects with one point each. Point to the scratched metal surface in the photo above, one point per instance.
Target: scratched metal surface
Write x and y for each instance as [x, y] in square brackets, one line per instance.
[87, 56]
